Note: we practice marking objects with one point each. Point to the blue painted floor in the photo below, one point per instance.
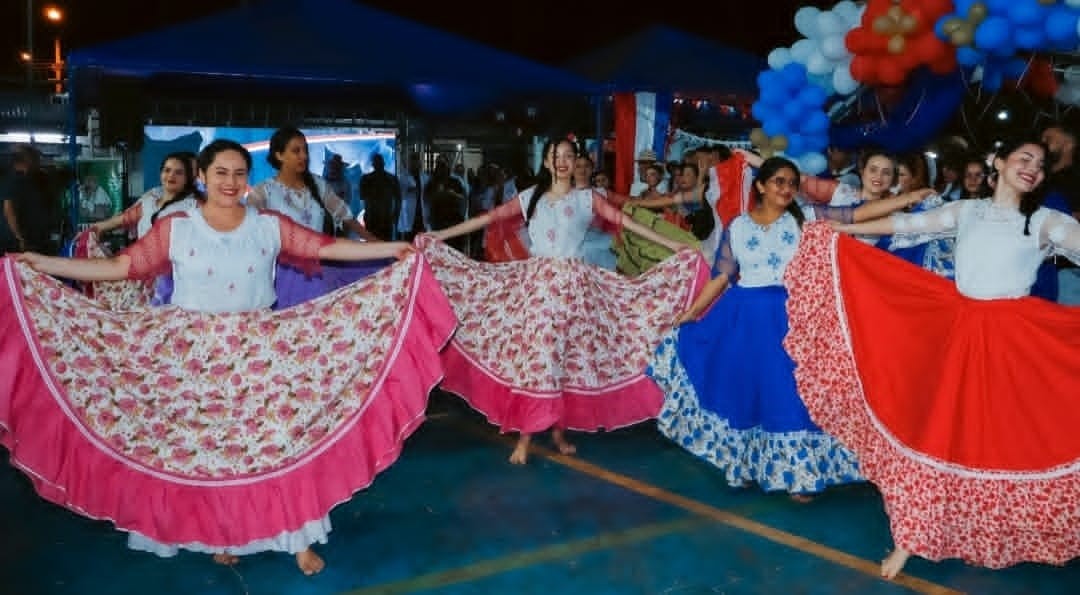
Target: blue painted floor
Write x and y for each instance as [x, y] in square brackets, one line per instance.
[632, 513]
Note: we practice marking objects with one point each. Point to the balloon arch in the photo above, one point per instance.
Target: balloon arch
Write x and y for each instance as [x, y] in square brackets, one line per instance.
[931, 49]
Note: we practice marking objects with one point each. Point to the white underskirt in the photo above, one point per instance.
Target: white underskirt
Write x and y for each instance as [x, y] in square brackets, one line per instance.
[293, 542]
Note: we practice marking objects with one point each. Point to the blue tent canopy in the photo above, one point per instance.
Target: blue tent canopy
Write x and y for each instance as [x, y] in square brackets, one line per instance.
[664, 59]
[333, 41]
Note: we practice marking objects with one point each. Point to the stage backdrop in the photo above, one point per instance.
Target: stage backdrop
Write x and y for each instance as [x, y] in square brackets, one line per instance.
[356, 146]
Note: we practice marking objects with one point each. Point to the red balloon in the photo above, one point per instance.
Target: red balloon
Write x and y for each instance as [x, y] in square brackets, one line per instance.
[1040, 79]
[891, 73]
[875, 64]
[862, 69]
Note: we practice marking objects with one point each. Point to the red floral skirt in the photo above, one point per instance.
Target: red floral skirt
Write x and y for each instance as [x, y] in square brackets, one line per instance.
[964, 412]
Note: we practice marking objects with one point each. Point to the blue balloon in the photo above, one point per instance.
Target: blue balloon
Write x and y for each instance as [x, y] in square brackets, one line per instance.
[767, 79]
[1026, 12]
[963, 6]
[774, 127]
[969, 57]
[993, 33]
[794, 113]
[1029, 37]
[774, 96]
[762, 112]
[794, 75]
[997, 6]
[1061, 27]
[796, 145]
[812, 96]
[815, 123]
[992, 79]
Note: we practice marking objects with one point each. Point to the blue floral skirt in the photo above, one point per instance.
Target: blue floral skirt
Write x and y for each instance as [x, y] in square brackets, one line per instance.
[730, 398]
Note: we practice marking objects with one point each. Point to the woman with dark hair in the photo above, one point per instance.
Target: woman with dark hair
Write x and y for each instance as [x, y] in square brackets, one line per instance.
[176, 193]
[550, 341]
[959, 399]
[936, 255]
[215, 425]
[307, 199]
[975, 182]
[730, 395]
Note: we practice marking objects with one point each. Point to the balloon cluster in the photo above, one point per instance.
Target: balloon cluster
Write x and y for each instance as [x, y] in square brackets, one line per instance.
[791, 109]
[822, 50]
[988, 33]
[897, 36]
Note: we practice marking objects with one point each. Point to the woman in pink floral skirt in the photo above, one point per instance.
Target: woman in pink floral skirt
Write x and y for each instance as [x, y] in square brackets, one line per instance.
[213, 424]
[552, 342]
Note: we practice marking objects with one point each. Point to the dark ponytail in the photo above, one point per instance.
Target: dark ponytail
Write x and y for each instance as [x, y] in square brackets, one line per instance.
[278, 141]
[768, 169]
[543, 176]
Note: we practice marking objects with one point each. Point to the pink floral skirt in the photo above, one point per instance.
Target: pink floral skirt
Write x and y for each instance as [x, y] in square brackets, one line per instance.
[115, 295]
[963, 412]
[549, 342]
[222, 430]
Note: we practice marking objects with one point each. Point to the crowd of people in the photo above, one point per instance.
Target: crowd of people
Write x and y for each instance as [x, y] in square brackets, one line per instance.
[797, 332]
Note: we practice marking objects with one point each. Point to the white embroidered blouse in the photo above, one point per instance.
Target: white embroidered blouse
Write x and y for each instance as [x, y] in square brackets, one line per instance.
[994, 259]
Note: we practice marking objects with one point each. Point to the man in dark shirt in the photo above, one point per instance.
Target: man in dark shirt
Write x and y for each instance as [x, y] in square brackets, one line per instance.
[25, 199]
[381, 193]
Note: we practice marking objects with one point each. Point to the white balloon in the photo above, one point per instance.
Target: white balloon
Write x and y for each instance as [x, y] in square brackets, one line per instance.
[824, 81]
[842, 81]
[779, 58]
[829, 23]
[849, 12]
[833, 48]
[1069, 94]
[817, 63]
[1072, 73]
[806, 21]
[802, 50]
[812, 163]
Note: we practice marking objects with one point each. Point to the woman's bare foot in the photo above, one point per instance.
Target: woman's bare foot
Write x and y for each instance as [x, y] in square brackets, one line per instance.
[802, 498]
[558, 436]
[226, 559]
[894, 563]
[309, 562]
[521, 451]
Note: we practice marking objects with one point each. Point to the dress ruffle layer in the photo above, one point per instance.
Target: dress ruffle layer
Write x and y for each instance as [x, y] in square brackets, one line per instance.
[550, 342]
[963, 412]
[219, 430]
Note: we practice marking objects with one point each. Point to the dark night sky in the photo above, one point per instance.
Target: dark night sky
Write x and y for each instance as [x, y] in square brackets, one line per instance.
[538, 30]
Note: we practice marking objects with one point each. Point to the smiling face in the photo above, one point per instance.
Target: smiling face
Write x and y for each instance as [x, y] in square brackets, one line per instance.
[1023, 169]
[560, 161]
[878, 175]
[779, 189]
[226, 179]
